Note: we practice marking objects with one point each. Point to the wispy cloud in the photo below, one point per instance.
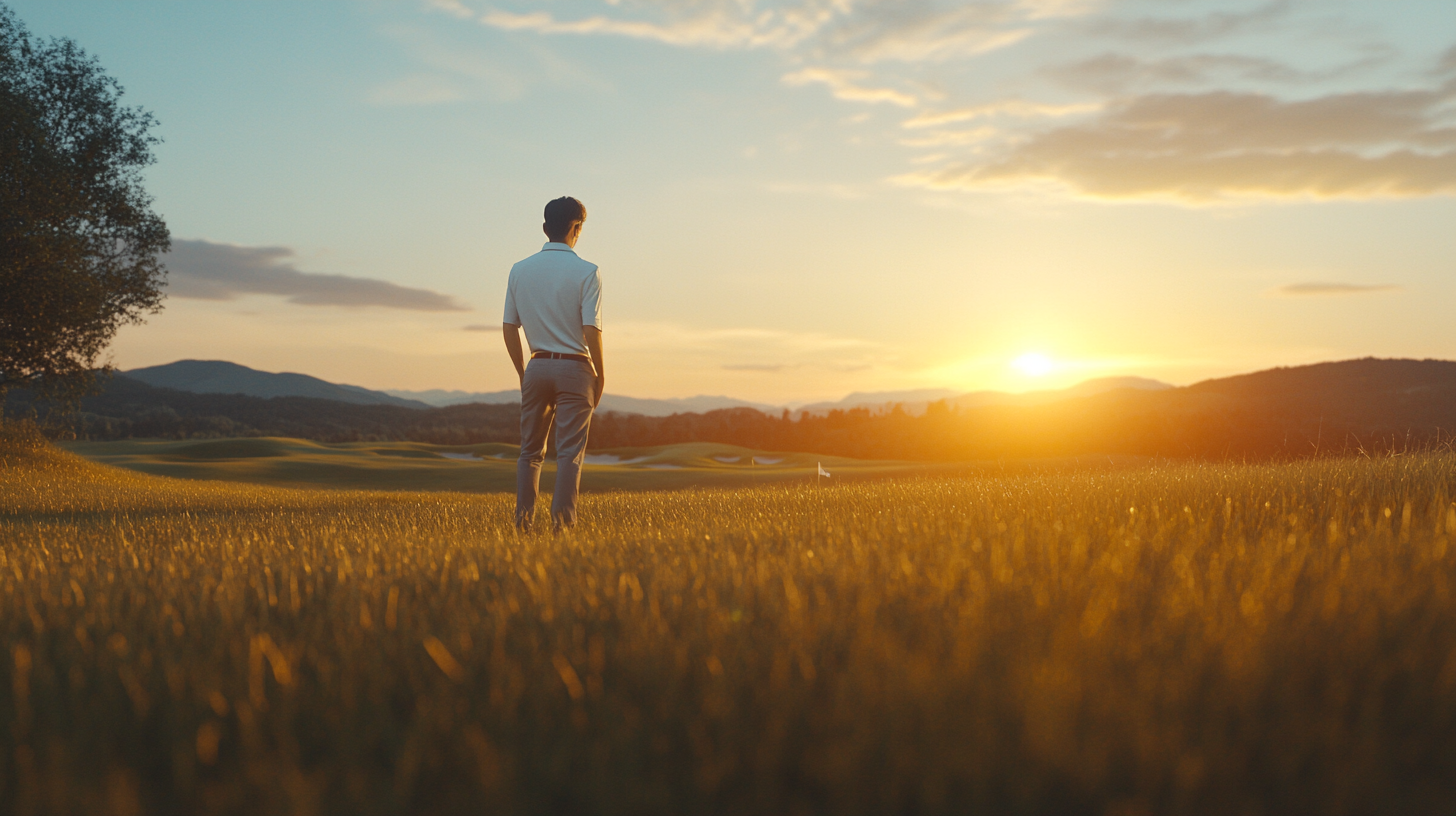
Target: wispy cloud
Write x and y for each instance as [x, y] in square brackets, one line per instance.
[921, 32]
[481, 327]
[842, 84]
[952, 138]
[865, 31]
[1324, 289]
[204, 270]
[1179, 105]
[1115, 73]
[1190, 30]
[1447, 64]
[452, 7]
[1015, 108]
[711, 27]
[1207, 147]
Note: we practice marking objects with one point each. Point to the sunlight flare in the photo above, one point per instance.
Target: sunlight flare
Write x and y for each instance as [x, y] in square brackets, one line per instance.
[1033, 364]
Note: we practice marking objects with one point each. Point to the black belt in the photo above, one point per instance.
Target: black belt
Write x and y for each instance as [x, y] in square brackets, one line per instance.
[551, 355]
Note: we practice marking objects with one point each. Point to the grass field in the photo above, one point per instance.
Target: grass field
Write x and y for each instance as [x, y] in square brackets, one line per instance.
[1174, 639]
[486, 468]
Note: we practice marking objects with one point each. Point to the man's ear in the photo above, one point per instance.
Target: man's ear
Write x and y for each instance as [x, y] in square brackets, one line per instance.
[545, 229]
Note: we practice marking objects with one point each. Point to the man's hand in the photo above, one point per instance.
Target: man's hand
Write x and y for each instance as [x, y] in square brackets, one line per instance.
[511, 332]
[593, 337]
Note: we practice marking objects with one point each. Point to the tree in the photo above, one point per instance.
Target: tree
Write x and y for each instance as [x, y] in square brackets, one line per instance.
[79, 242]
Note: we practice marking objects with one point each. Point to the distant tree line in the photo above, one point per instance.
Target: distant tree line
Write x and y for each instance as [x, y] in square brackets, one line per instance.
[126, 409]
[1370, 406]
[1357, 406]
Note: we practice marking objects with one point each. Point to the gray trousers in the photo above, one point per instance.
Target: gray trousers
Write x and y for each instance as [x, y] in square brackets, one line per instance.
[559, 390]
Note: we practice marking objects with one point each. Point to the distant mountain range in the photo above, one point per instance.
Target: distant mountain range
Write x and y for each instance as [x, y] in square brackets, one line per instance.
[610, 402]
[1350, 406]
[1366, 406]
[221, 377]
[916, 402]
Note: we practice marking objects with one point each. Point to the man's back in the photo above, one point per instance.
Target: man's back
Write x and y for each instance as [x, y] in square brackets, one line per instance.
[557, 298]
[552, 295]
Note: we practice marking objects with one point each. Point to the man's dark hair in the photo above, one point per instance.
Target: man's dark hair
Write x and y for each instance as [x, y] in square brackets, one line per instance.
[561, 214]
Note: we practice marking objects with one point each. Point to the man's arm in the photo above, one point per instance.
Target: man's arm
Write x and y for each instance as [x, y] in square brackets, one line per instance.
[593, 337]
[512, 334]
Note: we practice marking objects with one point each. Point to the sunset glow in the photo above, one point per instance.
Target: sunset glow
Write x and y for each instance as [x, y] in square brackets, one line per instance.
[792, 200]
[1033, 364]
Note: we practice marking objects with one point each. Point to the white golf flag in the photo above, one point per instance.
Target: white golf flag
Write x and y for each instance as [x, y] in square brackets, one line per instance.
[822, 471]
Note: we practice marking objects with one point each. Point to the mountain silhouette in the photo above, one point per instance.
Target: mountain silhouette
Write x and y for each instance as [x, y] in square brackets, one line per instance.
[222, 377]
[1349, 407]
[610, 402]
[917, 402]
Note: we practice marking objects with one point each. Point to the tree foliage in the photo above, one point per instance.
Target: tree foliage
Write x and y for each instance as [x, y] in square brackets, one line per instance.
[79, 242]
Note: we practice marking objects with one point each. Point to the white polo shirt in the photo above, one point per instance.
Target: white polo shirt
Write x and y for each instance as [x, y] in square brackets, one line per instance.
[551, 295]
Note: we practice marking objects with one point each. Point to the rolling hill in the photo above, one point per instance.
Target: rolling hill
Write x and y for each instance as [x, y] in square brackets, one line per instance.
[481, 468]
[1367, 405]
[917, 402]
[610, 402]
[1352, 406]
[222, 377]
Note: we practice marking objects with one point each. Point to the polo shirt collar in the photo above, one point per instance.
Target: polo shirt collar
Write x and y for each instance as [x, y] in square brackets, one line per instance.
[556, 246]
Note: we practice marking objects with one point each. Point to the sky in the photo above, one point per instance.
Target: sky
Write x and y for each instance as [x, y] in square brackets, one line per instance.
[790, 201]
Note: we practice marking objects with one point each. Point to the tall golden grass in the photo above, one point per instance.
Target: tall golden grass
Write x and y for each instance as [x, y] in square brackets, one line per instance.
[1177, 639]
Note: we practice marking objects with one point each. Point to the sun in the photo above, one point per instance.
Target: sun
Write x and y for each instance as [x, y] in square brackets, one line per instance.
[1033, 364]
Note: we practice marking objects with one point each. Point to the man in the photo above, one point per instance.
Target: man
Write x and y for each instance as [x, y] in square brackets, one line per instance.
[557, 298]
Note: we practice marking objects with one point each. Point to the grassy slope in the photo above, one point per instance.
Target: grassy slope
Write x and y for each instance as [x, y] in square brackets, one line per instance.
[1180, 639]
[419, 466]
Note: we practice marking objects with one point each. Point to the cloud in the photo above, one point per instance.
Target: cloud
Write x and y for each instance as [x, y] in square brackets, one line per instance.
[842, 86]
[1139, 125]
[452, 7]
[1114, 73]
[920, 32]
[481, 327]
[953, 138]
[712, 27]
[863, 30]
[1447, 65]
[1009, 108]
[1186, 30]
[1318, 289]
[1205, 147]
[203, 270]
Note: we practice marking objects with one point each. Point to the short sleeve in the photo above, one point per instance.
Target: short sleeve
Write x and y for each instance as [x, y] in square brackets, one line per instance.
[511, 316]
[591, 300]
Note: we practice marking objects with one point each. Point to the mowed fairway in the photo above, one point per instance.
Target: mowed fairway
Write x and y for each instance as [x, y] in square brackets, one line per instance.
[1174, 639]
[487, 467]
